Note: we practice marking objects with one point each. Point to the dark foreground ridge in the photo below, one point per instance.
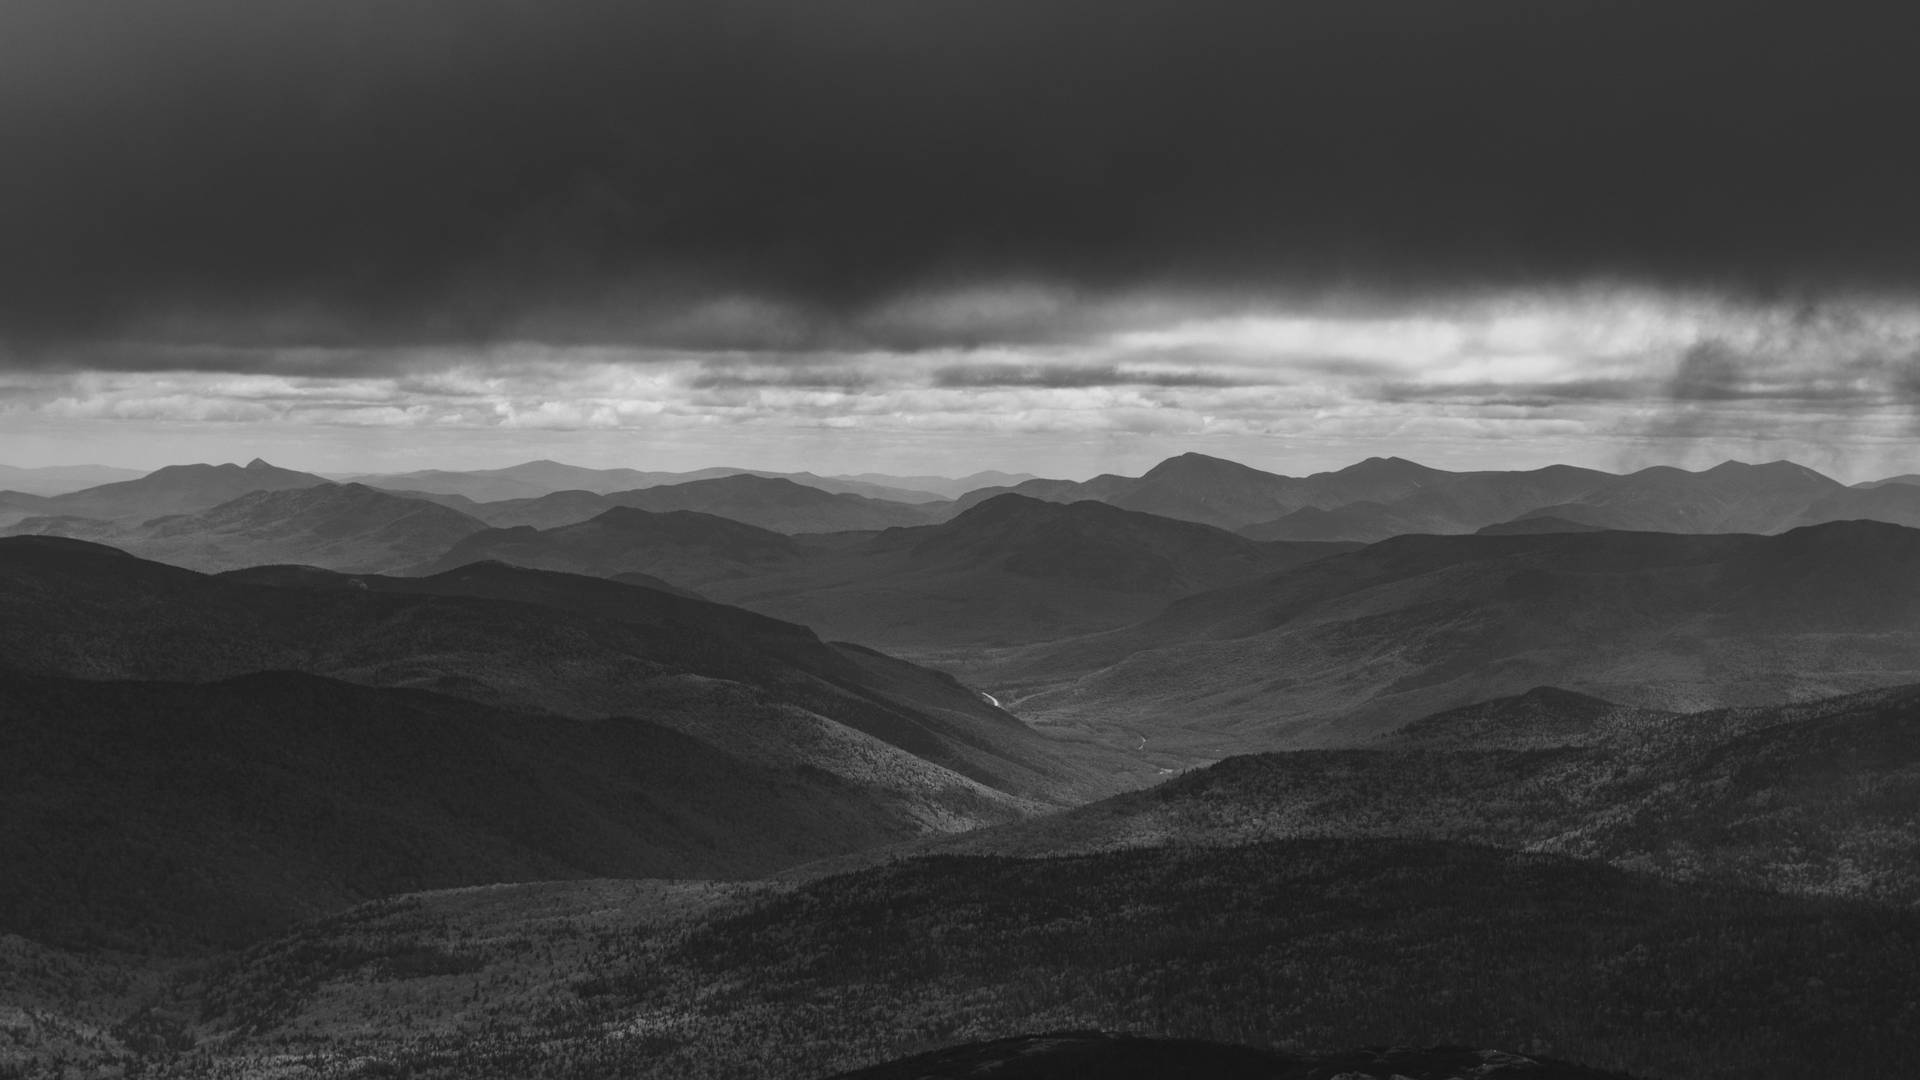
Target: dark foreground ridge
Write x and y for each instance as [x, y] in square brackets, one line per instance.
[1071, 1055]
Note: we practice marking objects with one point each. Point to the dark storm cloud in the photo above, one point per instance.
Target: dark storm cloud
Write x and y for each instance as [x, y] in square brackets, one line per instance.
[344, 172]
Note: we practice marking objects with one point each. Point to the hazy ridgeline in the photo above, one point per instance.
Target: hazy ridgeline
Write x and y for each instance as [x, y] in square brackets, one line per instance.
[561, 772]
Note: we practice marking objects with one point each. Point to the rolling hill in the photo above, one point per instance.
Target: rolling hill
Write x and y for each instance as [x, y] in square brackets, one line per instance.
[1311, 945]
[1338, 650]
[1817, 798]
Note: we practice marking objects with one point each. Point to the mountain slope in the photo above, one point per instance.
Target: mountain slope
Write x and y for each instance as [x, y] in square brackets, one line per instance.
[1008, 570]
[1730, 497]
[1195, 487]
[1819, 798]
[771, 503]
[533, 479]
[1335, 651]
[1429, 501]
[686, 548]
[947, 487]
[140, 815]
[347, 527]
[1892, 502]
[1314, 945]
[177, 489]
[533, 642]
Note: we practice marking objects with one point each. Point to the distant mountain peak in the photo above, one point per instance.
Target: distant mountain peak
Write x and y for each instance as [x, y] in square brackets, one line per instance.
[1194, 459]
[1386, 468]
[1780, 467]
[258, 464]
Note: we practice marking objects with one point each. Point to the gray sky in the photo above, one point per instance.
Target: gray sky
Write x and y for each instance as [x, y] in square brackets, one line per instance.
[1064, 237]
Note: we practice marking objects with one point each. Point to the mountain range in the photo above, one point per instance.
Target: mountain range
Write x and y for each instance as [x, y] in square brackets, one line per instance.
[1368, 501]
[1814, 798]
[172, 489]
[1382, 497]
[1009, 570]
[532, 479]
[769, 502]
[348, 527]
[1332, 651]
[736, 775]
[285, 731]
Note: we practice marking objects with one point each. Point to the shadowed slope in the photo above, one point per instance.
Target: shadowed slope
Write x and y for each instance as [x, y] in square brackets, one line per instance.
[1316, 945]
[1818, 798]
[144, 815]
[748, 684]
[1338, 650]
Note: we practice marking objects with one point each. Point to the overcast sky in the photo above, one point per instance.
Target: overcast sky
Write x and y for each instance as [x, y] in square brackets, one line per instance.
[934, 236]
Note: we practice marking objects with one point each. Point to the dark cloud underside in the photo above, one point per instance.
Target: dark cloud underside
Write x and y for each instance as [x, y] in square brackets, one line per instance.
[345, 172]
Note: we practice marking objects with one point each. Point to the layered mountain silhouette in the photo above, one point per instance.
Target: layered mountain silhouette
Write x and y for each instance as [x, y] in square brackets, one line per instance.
[772, 503]
[1384, 497]
[348, 527]
[532, 479]
[1903, 478]
[1730, 497]
[505, 636]
[1339, 649]
[735, 773]
[949, 487]
[1816, 798]
[307, 738]
[1896, 503]
[1009, 570]
[174, 489]
[687, 548]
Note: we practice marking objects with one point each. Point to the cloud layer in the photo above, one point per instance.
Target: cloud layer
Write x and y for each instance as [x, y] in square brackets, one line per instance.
[1444, 226]
[764, 174]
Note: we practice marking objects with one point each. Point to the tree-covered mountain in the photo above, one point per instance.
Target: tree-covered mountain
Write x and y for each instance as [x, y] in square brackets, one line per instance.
[1337, 650]
[348, 527]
